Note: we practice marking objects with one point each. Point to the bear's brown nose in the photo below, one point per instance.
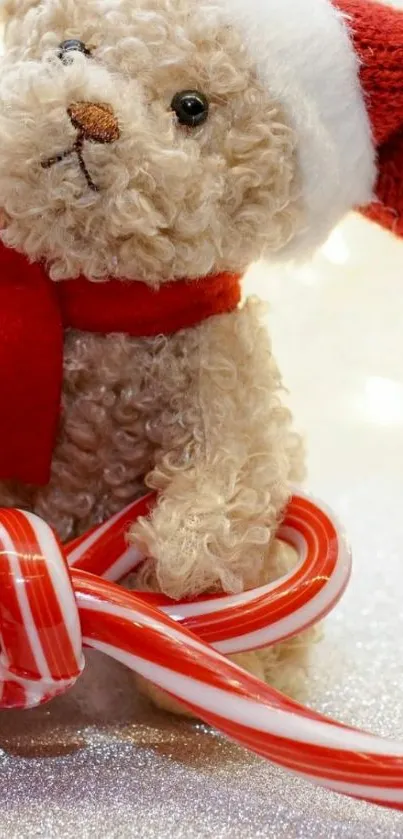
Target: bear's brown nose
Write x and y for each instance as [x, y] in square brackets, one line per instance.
[95, 122]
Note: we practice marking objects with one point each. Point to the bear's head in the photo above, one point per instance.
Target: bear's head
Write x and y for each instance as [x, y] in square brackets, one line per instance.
[163, 139]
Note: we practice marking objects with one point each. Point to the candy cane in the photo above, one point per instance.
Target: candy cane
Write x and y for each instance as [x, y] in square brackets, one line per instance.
[104, 550]
[121, 625]
[253, 619]
[141, 636]
[40, 634]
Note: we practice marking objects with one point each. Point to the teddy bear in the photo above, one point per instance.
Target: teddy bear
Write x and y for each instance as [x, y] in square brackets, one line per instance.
[150, 152]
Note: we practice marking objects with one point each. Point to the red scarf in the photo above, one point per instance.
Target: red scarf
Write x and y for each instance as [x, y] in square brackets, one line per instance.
[34, 311]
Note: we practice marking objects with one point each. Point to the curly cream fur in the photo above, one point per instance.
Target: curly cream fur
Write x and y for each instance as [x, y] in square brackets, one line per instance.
[197, 415]
[222, 492]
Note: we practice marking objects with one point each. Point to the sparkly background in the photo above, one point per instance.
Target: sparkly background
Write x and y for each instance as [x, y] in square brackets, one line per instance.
[98, 763]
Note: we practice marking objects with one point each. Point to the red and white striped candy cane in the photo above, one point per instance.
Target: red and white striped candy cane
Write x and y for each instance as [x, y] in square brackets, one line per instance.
[349, 761]
[41, 648]
[104, 550]
[252, 619]
[140, 635]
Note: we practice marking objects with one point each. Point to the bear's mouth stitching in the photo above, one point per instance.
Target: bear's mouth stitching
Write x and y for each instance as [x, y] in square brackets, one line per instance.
[95, 122]
[78, 150]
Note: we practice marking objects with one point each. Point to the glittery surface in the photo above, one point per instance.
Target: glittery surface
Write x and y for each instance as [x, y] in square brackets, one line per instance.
[99, 763]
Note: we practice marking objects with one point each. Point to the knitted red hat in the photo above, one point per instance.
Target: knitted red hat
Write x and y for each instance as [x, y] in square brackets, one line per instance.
[377, 35]
[337, 68]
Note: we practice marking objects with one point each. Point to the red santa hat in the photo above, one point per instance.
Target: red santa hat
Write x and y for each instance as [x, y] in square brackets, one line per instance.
[337, 68]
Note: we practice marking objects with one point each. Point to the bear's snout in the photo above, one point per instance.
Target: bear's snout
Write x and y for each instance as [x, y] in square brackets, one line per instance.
[95, 122]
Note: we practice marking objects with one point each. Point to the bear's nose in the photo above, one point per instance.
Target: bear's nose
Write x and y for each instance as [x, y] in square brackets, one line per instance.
[95, 122]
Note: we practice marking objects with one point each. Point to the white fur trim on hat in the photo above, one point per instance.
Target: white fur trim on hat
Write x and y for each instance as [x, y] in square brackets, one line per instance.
[305, 58]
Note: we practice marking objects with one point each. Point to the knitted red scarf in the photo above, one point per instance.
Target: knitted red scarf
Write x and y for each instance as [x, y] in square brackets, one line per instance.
[34, 311]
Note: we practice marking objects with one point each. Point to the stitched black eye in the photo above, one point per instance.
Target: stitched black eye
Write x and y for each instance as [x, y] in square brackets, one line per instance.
[191, 107]
[67, 48]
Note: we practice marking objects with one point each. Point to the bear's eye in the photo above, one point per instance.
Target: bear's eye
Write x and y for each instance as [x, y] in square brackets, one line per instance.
[191, 107]
[66, 49]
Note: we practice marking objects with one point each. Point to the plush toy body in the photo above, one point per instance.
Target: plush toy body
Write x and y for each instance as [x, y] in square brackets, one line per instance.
[150, 150]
